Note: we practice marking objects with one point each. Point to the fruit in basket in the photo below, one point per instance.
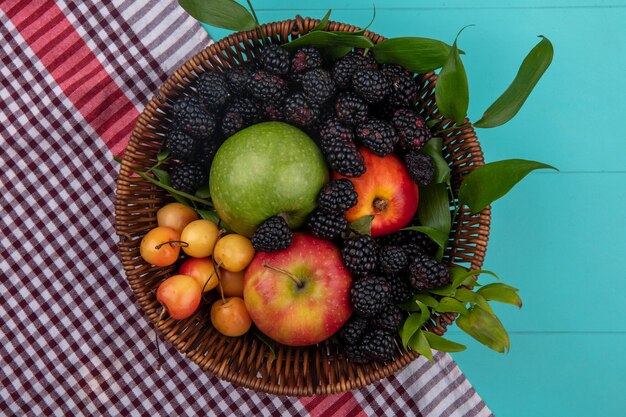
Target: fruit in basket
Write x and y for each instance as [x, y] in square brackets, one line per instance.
[272, 235]
[231, 282]
[230, 317]
[202, 270]
[301, 295]
[200, 237]
[233, 252]
[160, 246]
[266, 170]
[181, 295]
[175, 216]
[385, 190]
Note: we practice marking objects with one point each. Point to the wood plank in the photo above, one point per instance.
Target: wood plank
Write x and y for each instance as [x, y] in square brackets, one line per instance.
[570, 120]
[574, 375]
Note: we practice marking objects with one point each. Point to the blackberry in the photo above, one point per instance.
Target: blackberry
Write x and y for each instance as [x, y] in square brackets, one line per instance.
[351, 109]
[305, 59]
[275, 59]
[337, 195]
[399, 289]
[369, 296]
[333, 130]
[344, 158]
[389, 319]
[249, 109]
[242, 112]
[344, 69]
[421, 167]
[360, 254]
[426, 273]
[187, 104]
[192, 117]
[403, 86]
[272, 235]
[188, 176]
[318, 85]
[411, 128]
[378, 136]
[370, 84]
[412, 251]
[299, 111]
[327, 225]
[181, 145]
[392, 259]
[353, 330]
[355, 354]
[271, 111]
[237, 78]
[206, 150]
[265, 86]
[213, 89]
[232, 123]
[406, 238]
[378, 345]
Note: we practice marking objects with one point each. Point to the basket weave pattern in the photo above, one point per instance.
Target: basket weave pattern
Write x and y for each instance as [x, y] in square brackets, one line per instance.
[246, 361]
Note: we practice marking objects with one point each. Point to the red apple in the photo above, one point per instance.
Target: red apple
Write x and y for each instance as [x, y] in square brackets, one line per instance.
[385, 190]
[300, 295]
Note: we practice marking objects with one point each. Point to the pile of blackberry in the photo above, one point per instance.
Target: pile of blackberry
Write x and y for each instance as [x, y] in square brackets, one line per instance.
[345, 106]
[387, 271]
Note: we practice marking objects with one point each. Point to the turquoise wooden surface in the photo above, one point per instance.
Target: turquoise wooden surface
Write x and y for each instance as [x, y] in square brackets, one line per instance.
[559, 237]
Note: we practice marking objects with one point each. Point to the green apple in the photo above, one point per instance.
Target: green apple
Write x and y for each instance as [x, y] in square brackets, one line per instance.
[265, 170]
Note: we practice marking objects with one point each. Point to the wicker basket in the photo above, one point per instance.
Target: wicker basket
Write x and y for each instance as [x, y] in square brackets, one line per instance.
[245, 361]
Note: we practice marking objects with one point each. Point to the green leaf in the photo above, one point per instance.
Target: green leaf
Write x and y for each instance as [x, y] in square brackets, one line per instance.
[426, 299]
[209, 215]
[501, 293]
[322, 39]
[433, 149]
[437, 236]
[226, 14]
[204, 191]
[173, 192]
[485, 328]
[508, 104]
[334, 53]
[414, 54]
[451, 305]
[267, 341]
[412, 304]
[489, 182]
[163, 156]
[480, 301]
[434, 212]
[452, 91]
[419, 343]
[458, 276]
[162, 176]
[465, 295]
[413, 323]
[323, 24]
[363, 225]
[442, 344]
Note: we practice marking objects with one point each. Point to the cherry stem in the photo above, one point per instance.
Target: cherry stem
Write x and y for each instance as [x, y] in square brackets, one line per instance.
[380, 204]
[173, 243]
[289, 274]
[216, 268]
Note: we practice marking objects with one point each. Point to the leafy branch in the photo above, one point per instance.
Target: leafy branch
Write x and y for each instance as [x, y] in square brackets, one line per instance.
[476, 317]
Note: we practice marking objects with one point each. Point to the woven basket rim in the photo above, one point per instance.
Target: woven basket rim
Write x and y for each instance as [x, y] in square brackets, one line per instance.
[185, 335]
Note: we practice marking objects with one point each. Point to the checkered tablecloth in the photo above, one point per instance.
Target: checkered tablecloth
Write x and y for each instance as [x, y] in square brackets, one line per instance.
[73, 342]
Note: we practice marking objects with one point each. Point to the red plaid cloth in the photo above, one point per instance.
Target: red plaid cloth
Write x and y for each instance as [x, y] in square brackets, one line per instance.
[75, 76]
